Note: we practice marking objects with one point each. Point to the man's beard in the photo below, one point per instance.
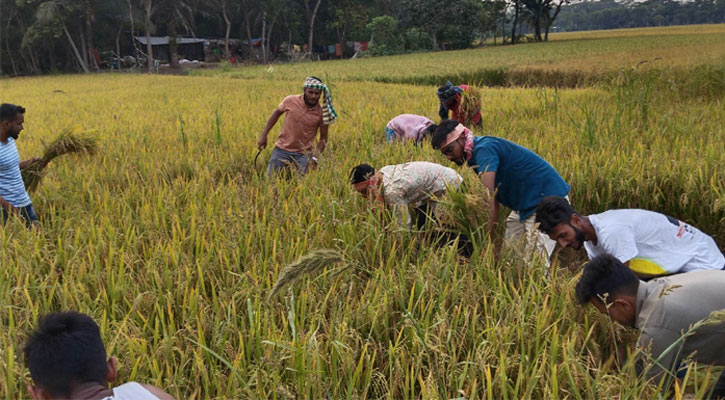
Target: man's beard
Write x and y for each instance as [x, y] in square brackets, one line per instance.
[459, 161]
[307, 101]
[14, 134]
[579, 236]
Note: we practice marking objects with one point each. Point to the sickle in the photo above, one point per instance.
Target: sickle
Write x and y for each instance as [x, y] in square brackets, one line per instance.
[256, 157]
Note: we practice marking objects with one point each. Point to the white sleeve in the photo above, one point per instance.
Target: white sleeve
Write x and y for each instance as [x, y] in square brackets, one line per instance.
[619, 242]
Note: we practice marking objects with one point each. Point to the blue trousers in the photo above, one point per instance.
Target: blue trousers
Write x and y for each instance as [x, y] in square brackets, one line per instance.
[27, 212]
[282, 159]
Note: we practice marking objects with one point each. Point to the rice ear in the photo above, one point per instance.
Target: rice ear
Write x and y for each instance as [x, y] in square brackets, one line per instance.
[307, 264]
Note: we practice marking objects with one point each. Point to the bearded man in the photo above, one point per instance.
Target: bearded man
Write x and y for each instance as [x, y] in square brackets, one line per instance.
[647, 242]
[295, 146]
[14, 199]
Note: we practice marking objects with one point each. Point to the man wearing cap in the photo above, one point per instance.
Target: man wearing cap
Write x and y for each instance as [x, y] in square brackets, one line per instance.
[513, 175]
[649, 243]
[452, 99]
[414, 186]
[409, 128]
[295, 145]
[680, 316]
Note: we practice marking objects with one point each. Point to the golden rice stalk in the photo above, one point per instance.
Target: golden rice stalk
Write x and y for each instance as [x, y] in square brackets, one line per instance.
[470, 102]
[67, 142]
[307, 264]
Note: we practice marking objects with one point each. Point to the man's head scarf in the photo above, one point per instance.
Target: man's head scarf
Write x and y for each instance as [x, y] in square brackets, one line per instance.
[456, 133]
[447, 92]
[329, 115]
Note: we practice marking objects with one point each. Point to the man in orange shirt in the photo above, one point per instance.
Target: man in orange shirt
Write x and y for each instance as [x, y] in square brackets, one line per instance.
[295, 145]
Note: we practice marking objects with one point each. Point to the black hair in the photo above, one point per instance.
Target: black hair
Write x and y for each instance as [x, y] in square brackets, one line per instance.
[552, 211]
[605, 276]
[442, 131]
[9, 112]
[65, 350]
[428, 131]
[361, 173]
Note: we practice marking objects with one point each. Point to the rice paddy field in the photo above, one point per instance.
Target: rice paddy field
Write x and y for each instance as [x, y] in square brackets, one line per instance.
[171, 238]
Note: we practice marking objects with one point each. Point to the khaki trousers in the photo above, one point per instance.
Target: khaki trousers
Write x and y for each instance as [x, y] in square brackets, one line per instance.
[526, 238]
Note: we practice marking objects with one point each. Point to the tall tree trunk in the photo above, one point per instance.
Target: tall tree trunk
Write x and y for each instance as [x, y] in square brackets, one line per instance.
[84, 45]
[551, 20]
[89, 39]
[7, 44]
[148, 25]
[263, 44]
[228, 29]
[515, 22]
[118, 45]
[75, 50]
[33, 59]
[269, 38]
[173, 46]
[248, 28]
[537, 28]
[312, 25]
[133, 35]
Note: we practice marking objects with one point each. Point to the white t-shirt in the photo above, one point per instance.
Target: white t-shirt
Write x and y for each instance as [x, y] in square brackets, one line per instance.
[131, 391]
[653, 243]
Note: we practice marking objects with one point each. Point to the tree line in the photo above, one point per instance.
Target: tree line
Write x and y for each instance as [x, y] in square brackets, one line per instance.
[39, 36]
[611, 14]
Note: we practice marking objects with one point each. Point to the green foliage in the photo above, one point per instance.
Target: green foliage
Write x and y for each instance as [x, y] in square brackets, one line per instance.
[385, 37]
[416, 40]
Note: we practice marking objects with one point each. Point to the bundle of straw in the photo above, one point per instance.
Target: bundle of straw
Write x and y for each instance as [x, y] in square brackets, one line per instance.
[470, 103]
[306, 264]
[66, 142]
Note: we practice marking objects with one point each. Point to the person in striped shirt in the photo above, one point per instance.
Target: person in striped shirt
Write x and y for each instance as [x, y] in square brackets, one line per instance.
[14, 199]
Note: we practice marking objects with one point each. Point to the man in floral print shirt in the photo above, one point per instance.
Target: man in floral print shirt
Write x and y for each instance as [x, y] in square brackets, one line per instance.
[414, 185]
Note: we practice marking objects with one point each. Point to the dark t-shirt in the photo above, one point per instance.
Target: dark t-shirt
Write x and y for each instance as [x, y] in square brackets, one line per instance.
[523, 178]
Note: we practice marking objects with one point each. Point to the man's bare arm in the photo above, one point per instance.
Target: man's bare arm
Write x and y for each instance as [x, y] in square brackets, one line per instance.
[324, 129]
[262, 141]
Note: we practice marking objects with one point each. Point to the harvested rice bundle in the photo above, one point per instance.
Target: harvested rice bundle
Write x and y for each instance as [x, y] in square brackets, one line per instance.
[67, 142]
[307, 264]
[470, 103]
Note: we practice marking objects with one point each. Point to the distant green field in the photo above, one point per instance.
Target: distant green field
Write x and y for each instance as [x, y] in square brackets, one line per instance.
[569, 59]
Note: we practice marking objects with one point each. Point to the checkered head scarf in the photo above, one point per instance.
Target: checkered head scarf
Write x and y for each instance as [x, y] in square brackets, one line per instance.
[329, 115]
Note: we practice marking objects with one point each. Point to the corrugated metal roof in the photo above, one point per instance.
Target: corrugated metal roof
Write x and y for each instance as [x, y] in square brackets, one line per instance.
[164, 40]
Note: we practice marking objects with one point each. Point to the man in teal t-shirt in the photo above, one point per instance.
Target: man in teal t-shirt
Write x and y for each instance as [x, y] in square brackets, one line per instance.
[517, 176]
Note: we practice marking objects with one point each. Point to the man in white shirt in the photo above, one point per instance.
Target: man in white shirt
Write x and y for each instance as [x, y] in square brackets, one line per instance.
[649, 243]
[67, 360]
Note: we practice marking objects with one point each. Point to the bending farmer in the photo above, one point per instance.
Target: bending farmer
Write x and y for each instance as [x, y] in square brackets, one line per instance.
[649, 243]
[513, 176]
[667, 310]
[409, 128]
[456, 99]
[414, 186]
